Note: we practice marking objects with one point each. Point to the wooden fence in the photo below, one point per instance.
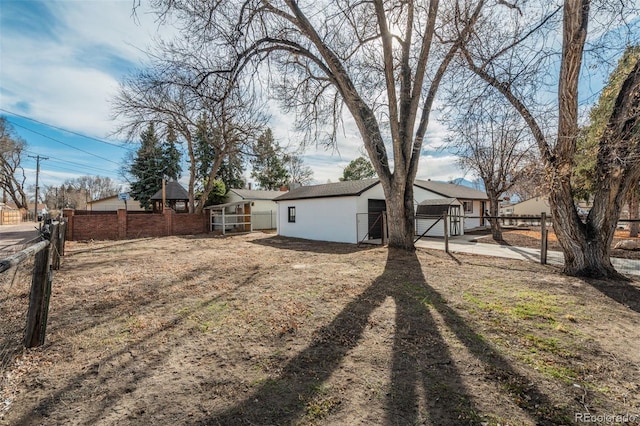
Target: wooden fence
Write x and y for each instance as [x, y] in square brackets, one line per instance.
[46, 256]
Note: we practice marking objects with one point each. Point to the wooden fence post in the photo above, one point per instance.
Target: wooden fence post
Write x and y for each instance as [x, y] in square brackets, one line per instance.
[544, 233]
[54, 239]
[39, 298]
[446, 232]
[384, 227]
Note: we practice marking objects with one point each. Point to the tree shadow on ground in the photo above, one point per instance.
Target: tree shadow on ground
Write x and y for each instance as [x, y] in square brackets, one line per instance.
[624, 292]
[299, 244]
[426, 384]
[129, 371]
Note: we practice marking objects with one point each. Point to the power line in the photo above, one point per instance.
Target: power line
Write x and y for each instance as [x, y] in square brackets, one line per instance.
[68, 162]
[65, 144]
[64, 130]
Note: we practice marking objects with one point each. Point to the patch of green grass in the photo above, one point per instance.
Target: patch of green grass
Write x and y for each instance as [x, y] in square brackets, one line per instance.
[547, 344]
[321, 404]
[523, 305]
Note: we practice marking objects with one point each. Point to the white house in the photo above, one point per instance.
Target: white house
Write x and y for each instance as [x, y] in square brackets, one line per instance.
[264, 210]
[349, 211]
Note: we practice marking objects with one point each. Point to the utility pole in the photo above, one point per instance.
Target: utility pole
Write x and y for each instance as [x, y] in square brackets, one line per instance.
[35, 208]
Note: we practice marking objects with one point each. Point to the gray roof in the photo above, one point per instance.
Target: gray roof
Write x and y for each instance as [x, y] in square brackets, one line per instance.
[337, 189]
[357, 187]
[451, 190]
[254, 194]
[225, 205]
[439, 202]
[173, 191]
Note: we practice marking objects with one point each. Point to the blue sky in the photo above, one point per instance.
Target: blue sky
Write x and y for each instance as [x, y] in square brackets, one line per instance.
[60, 64]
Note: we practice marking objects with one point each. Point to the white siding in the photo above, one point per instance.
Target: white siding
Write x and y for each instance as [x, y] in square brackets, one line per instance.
[344, 219]
[322, 219]
[472, 218]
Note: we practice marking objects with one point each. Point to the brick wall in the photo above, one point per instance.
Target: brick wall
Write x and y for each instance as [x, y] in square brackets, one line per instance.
[188, 224]
[146, 225]
[121, 225]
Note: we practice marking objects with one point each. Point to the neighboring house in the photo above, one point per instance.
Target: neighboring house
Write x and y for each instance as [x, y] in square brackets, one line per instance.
[264, 210]
[532, 207]
[349, 211]
[113, 203]
[474, 203]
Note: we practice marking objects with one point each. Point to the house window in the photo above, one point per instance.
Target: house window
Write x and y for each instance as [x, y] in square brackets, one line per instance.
[292, 214]
[468, 206]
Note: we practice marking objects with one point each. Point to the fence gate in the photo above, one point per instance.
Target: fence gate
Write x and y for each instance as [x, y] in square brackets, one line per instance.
[376, 207]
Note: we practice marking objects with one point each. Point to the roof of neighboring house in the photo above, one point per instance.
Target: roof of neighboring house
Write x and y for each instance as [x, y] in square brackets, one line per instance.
[439, 202]
[110, 197]
[451, 190]
[255, 194]
[173, 191]
[436, 206]
[336, 189]
[225, 205]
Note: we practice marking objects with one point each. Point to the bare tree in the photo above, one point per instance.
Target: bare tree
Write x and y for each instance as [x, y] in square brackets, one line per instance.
[172, 91]
[299, 173]
[491, 140]
[530, 183]
[384, 61]
[516, 62]
[12, 176]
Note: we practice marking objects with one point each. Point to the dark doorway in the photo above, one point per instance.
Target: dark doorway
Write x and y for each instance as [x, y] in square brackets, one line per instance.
[376, 207]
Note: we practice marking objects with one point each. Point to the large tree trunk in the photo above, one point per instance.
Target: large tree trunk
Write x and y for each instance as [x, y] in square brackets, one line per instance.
[494, 211]
[400, 213]
[586, 246]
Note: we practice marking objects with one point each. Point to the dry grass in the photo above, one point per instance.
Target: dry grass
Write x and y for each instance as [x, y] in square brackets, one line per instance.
[258, 329]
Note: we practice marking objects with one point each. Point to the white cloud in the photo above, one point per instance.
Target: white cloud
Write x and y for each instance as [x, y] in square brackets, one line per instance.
[68, 80]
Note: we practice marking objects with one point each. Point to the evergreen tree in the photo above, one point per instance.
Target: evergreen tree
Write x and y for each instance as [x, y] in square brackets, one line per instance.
[231, 172]
[171, 156]
[147, 168]
[589, 140]
[269, 163]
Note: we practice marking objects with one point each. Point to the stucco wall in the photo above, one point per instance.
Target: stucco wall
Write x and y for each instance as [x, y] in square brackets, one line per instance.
[322, 219]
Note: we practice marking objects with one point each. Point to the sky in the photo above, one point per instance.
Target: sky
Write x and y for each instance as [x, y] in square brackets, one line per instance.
[60, 66]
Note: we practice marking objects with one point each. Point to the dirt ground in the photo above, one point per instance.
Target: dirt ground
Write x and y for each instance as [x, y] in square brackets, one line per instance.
[258, 329]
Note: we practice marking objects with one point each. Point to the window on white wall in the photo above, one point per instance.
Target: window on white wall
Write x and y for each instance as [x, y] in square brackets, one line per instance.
[292, 214]
[468, 206]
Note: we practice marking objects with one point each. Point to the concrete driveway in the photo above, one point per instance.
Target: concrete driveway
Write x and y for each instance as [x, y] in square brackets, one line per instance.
[13, 238]
[466, 244]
